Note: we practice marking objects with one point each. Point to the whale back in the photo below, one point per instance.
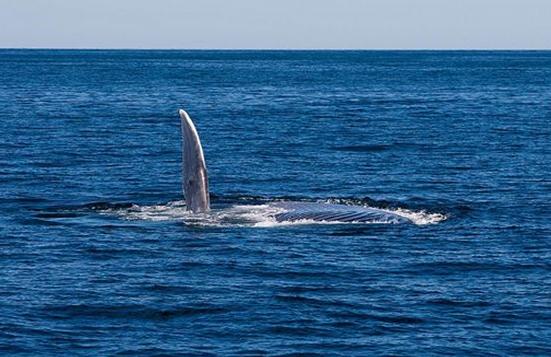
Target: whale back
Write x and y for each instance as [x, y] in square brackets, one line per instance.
[326, 212]
[194, 170]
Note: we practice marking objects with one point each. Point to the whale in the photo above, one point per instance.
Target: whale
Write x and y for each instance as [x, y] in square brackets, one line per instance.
[195, 188]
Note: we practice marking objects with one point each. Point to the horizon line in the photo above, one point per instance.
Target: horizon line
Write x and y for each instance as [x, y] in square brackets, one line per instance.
[271, 49]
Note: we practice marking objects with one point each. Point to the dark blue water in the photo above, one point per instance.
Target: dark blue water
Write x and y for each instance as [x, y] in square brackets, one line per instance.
[98, 255]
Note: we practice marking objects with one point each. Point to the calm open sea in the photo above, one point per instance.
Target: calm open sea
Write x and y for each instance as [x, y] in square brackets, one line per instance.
[99, 256]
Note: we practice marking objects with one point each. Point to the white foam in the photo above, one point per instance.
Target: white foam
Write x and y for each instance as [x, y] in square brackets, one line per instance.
[421, 217]
[163, 212]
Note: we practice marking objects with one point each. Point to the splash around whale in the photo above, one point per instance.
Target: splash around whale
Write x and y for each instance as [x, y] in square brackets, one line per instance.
[197, 199]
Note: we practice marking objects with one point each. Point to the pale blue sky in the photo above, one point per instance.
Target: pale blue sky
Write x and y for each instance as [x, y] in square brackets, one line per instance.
[285, 24]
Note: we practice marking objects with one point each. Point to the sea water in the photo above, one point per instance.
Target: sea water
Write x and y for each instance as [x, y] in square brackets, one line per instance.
[98, 254]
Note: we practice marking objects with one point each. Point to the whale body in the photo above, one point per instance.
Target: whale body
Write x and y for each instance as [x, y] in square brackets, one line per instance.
[329, 212]
[196, 191]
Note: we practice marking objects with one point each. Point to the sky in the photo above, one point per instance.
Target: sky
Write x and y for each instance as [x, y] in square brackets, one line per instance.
[276, 24]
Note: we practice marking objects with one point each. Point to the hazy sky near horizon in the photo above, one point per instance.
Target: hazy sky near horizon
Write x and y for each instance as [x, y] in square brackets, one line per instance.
[285, 24]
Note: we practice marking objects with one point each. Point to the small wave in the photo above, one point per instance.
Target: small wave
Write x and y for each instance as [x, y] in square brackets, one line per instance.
[129, 311]
[397, 146]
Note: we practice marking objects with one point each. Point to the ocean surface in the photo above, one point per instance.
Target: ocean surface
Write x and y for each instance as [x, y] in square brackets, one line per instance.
[98, 255]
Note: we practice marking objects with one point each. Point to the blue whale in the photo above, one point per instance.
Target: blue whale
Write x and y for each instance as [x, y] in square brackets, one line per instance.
[196, 191]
